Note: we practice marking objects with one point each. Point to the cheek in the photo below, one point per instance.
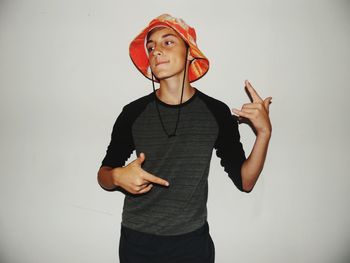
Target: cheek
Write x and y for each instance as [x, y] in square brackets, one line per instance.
[181, 61]
[179, 57]
[150, 62]
[182, 55]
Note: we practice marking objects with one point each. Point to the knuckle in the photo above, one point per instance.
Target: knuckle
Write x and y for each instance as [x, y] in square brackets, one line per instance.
[138, 181]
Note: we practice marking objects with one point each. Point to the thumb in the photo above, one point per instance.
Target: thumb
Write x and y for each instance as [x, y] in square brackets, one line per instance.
[141, 158]
[267, 102]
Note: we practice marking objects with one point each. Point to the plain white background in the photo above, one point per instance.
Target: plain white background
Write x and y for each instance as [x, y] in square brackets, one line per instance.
[65, 74]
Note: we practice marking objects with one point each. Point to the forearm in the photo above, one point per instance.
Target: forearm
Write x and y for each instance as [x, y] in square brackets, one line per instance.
[105, 177]
[254, 164]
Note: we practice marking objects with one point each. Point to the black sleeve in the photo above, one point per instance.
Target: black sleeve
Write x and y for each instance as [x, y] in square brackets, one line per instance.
[228, 146]
[121, 145]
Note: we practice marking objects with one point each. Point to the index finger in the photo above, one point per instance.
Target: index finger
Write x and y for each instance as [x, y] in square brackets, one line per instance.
[255, 96]
[155, 179]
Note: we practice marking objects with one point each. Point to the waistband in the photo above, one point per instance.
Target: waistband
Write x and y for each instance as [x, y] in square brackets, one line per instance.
[203, 230]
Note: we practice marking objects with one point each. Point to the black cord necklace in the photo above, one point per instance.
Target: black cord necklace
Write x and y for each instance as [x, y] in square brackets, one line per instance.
[178, 114]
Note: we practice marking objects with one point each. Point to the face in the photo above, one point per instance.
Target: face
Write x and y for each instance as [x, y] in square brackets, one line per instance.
[166, 52]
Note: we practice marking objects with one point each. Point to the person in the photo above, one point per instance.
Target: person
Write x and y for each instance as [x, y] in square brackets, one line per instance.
[164, 216]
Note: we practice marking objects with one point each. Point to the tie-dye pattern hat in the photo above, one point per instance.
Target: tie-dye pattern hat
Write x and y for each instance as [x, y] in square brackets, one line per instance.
[139, 56]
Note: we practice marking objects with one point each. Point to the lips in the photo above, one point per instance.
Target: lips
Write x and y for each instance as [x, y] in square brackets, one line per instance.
[161, 62]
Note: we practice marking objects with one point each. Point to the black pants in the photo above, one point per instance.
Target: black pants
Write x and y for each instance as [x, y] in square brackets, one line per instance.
[193, 247]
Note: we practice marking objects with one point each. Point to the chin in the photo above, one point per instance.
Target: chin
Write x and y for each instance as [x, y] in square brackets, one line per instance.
[162, 75]
[165, 74]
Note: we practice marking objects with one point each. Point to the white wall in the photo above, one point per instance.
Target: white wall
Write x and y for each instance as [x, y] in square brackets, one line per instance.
[65, 74]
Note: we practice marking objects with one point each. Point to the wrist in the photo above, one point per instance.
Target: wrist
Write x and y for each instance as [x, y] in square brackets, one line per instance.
[266, 134]
[115, 173]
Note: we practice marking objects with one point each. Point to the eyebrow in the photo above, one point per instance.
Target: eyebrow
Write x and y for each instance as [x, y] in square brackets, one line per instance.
[164, 36]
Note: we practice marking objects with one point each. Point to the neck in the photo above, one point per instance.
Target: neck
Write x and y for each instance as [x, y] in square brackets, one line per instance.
[170, 90]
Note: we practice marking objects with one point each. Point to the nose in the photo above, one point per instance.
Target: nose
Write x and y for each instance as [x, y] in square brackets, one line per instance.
[157, 51]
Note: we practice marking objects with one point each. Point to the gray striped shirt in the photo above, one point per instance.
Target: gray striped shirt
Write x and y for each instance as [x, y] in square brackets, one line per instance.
[183, 160]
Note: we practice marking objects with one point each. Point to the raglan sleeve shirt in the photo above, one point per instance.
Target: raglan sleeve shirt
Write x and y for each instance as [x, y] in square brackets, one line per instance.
[183, 160]
[121, 144]
[228, 146]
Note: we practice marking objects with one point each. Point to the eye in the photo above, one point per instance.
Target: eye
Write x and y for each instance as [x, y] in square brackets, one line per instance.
[149, 49]
[168, 41]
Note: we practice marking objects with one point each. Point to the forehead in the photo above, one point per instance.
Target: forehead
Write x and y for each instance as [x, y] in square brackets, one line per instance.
[161, 31]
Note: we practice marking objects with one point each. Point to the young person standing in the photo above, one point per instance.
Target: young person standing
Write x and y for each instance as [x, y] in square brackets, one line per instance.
[174, 130]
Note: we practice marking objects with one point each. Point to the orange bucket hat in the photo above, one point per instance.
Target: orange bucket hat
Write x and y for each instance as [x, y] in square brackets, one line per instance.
[139, 56]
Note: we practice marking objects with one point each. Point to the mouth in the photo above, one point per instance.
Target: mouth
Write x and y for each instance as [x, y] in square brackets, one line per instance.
[160, 63]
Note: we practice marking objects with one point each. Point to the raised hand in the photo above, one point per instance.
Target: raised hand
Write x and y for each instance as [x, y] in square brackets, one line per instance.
[257, 111]
[134, 179]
